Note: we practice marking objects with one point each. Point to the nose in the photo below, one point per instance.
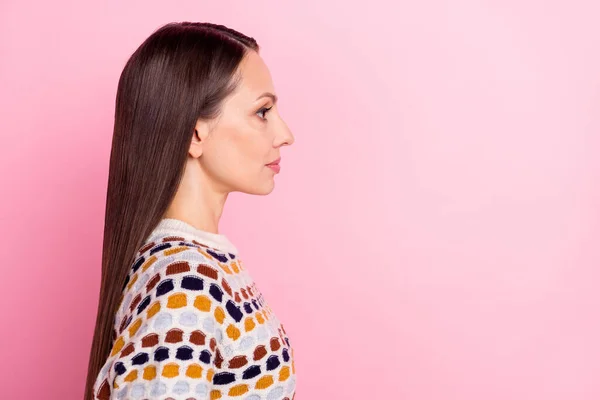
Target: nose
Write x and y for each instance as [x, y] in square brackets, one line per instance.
[285, 135]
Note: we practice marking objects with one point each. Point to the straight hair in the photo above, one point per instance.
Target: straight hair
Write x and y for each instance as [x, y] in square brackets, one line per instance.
[181, 73]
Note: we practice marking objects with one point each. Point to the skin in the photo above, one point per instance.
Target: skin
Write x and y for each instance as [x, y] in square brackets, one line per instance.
[230, 153]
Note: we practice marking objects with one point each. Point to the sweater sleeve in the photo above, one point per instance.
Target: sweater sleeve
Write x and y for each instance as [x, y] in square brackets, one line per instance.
[169, 344]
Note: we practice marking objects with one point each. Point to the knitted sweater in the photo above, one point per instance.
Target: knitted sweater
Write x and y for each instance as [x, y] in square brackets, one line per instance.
[192, 324]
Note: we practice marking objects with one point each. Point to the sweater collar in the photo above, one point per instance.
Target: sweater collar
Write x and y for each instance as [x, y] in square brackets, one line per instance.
[177, 227]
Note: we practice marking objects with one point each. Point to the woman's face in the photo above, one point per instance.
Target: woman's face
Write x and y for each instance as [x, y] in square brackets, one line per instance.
[237, 147]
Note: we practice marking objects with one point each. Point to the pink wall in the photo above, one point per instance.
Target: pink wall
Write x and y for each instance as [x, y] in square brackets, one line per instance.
[433, 234]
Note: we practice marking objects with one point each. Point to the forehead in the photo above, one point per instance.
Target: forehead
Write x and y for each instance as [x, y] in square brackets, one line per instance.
[255, 77]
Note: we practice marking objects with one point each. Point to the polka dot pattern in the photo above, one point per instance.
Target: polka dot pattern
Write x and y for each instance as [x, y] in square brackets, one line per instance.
[192, 324]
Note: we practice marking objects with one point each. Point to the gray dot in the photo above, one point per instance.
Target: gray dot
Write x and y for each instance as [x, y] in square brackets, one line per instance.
[197, 257]
[122, 393]
[158, 388]
[105, 368]
[181, 387]
[188, 318]
[291, 385]
[246, 343]
[209, 325]
[202, 390]
[163, 321]
[143, 329]
[228, 351]
[275, 393]
[137, 390]
[128, 299]
[144, 279]
[261, 333]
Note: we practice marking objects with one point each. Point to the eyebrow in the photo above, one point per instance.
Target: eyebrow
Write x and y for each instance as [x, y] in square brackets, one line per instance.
[268, 94]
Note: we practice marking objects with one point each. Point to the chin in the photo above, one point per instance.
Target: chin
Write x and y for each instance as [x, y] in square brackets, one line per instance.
[268, 188]
[259, 189]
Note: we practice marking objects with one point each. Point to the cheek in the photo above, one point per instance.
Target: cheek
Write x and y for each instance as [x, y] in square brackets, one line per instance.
[250, 152]
[242, 152]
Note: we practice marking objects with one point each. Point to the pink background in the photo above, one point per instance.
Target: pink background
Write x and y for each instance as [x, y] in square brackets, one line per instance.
[433, 233]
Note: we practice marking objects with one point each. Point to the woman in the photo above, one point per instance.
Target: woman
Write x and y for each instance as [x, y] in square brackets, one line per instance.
[179, 317]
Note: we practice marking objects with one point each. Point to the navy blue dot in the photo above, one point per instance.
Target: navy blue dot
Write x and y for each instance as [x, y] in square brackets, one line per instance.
[160, 247]
[255, 305]
[287, 341]
[220, 257]
[126, 281]
[138, 263]
[120, 368]
[272, 363]
[140, 359]
[164, 287]
[192, 283]
[161, 354]
[216, 292]
[184, 353]
[234, 311]
[251, 372]
[205, 356]
[248, 308]
[232, 256]
[223, 378]
[143, 304]
[286, 356]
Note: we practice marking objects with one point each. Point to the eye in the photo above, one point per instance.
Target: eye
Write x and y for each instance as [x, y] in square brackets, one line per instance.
[264, 110]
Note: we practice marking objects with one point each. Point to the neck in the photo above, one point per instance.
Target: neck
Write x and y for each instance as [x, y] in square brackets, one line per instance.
[198, 200]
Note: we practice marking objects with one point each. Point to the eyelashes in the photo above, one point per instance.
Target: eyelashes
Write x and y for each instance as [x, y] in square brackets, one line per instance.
[264, 110]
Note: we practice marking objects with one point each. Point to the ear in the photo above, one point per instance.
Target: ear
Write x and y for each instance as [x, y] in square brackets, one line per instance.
[198, 139]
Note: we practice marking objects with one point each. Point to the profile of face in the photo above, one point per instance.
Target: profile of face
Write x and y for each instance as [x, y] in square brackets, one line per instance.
[232, 152]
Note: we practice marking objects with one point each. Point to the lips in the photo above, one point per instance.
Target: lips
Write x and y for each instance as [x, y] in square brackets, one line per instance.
[276, 162]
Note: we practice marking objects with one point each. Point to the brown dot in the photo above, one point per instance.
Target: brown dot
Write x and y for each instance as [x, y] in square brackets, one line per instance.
[146, 247]
[207, 271]
[238, 362]
[135, 302]
[123, 322]
[226, 287]
[178, 268]
[218, 359]
[275, 344]
[150, 285]
[173, 239]
[199, 244]
[259, 352]
[127, 350]
[237, 297]
[104, 392]
[213, 344]
[198, 338]
[150, 340]
[174, 336]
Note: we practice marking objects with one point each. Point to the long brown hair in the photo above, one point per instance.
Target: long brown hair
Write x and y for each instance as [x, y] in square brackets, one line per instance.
[181, 73]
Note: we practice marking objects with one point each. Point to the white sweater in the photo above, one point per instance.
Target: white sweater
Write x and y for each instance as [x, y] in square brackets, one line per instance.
[193, 325]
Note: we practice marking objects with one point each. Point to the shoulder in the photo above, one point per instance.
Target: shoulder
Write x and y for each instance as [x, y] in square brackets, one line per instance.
[175, 285]
[177, 273]
[174, 255]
